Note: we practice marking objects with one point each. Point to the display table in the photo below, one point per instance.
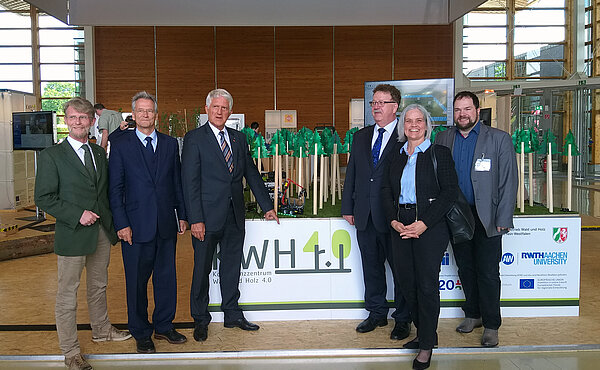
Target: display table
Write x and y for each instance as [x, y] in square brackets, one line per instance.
[310, 269]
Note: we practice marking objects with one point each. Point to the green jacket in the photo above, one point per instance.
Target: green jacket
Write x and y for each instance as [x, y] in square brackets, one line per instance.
[64, 189]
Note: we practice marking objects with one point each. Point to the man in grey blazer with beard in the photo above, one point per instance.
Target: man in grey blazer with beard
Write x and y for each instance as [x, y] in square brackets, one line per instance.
[486, 166]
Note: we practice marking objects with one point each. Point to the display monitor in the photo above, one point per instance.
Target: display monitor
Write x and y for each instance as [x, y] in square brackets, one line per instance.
[485, 116]
[436, 95]
[33, 130]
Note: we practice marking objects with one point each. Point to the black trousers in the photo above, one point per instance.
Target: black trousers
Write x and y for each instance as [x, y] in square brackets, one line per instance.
[375, 249]
[417, 263]
[478, 263]
[231, 244]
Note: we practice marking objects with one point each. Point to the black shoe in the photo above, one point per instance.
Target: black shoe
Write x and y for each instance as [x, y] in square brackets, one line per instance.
[172, 336]
[418, 365]
[369, 324]
[200, 333]
[145, 345]
[401, 330]
[241, 323]
[414, 344]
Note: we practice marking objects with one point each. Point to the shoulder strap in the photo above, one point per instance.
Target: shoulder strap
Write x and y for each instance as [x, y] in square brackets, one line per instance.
[434, 161]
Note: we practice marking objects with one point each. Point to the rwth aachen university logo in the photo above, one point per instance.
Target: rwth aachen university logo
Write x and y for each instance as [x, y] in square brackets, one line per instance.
[559, 234]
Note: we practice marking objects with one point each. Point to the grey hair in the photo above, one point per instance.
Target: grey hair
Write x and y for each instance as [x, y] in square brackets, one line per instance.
[81, 105]
[219, 93]
[426, 115]
[143, 95]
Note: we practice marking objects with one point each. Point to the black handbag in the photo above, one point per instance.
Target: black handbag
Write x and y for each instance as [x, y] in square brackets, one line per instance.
[459, 218]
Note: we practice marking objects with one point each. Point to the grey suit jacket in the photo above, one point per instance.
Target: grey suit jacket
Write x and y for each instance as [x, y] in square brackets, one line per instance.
[208, 187]
[495, 190]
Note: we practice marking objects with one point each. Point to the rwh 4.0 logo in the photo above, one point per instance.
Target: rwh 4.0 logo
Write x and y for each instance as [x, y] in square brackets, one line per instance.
[314, 257]
[340, 248]
[559, 234]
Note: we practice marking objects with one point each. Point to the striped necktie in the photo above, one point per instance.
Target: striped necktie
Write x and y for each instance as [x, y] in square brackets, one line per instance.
[226, 151]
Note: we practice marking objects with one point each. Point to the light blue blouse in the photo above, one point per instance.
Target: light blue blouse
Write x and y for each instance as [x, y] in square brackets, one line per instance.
[408, 194]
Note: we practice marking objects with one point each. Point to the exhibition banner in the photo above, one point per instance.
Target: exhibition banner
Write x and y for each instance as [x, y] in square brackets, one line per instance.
[311, 269]
[540, 266]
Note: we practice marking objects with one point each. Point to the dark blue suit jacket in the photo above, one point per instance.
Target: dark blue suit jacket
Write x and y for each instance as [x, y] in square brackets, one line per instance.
[138, 200]
[362, 187]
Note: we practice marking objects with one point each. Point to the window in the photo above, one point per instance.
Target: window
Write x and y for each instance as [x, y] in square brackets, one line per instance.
[589, 67]
[516, 39]
[16, 70]
[60, 73]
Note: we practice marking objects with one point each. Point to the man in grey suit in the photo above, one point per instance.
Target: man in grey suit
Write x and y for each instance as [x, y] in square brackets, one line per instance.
[486, 166]
[215, 158]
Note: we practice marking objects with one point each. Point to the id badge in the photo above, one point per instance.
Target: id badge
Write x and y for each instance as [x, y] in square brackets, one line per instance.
[483, 165]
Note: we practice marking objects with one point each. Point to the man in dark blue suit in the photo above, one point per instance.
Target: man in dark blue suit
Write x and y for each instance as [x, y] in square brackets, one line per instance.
[148, 212]
[361, 206]
[215, 159]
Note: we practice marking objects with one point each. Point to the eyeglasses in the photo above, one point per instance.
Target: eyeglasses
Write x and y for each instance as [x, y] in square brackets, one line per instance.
[380, 103]
[78, 118]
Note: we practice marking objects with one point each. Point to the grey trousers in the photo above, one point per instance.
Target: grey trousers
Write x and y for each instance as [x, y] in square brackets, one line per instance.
[69, 276]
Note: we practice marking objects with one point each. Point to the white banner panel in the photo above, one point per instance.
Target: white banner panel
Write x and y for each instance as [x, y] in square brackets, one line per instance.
[311, 269]
[540, 266]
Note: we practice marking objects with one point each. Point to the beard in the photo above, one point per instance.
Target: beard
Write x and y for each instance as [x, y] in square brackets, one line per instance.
[79, 133]
[470, 123]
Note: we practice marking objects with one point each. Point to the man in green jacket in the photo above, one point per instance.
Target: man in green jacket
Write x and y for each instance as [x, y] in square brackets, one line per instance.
[72, 185]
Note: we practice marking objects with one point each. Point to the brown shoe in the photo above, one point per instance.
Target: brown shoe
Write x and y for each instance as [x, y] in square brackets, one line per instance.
[77, 362]
[114, 335]
[468, 325]
[489, 337]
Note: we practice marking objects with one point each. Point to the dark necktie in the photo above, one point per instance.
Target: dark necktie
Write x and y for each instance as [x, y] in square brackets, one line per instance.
[226, 151]
[89, 164]
[149, 147]
[377, 147]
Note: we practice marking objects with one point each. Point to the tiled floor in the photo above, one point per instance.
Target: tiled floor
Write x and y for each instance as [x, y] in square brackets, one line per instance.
[27, 339]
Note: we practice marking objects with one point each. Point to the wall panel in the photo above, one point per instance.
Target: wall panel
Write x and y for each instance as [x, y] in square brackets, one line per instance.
[245, 68]
[304, 73]
[422, 52]
[124, 64]
[185, 62]
[360, 56]
[266, 67]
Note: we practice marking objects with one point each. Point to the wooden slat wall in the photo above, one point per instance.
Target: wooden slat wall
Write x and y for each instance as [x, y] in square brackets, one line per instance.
[245, 68]
[304, 67]
[124, 64]
[185, 60]
[359, 57]
[422, 52]
[258, 65]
